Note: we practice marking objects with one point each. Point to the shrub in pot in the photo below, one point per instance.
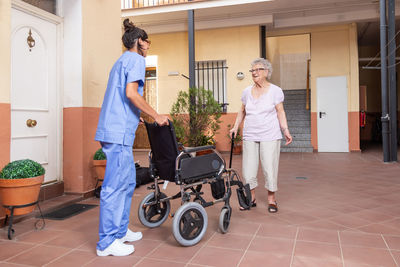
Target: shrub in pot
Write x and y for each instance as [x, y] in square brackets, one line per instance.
[196, 117]
[99, 164]
[20, 183]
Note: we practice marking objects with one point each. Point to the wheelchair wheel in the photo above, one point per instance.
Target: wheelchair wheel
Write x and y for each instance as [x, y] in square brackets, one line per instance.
[154, 215]
[189, 224]
[224, 219]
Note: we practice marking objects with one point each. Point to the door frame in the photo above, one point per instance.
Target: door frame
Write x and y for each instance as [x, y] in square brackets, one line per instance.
[58, 21]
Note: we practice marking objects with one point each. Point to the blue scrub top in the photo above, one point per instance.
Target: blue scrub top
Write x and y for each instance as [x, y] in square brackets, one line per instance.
[119, 118]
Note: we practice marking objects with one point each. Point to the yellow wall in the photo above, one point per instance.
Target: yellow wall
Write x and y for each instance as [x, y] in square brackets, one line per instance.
[101, 47]
[5, 62]
[238, 46]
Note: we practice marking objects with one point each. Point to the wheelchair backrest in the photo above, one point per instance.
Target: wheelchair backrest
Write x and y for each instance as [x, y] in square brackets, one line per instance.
[164, 149]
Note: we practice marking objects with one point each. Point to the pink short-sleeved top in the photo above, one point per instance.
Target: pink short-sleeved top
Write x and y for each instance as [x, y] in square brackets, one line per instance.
[261, 121]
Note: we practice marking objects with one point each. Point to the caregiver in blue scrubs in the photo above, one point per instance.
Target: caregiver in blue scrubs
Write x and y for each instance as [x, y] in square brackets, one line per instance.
[119, 119]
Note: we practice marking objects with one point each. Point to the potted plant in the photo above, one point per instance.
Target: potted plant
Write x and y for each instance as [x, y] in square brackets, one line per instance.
[99, 164]
[237, 141]
[20, 183]
[196, 117]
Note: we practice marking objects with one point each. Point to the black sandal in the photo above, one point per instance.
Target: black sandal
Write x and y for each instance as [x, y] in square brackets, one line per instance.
[273, 208]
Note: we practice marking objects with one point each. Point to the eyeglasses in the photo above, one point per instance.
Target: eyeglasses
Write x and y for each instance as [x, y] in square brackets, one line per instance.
[256, 70]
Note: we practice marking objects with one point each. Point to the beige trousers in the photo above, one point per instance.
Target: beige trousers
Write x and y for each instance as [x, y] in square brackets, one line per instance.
[268, 153]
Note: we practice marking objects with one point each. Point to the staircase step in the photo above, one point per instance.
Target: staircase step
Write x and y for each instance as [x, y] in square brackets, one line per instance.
[291, 96]
[299, 130]
[298, 117]
[301, 136]
[297, 149]
[299, 123]
[297, 106]
[302, 111]
[290, 102]
[297, 143]
[295, 92]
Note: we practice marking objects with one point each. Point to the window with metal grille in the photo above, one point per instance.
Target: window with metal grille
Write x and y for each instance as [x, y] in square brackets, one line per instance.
[211, 75]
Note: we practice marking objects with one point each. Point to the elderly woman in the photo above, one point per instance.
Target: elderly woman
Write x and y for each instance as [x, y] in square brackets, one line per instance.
[264, 123]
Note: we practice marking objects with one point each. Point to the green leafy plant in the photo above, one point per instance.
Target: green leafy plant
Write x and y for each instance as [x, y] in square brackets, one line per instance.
[99, 155]
[19, 169]
[195, 115]
[238, 138]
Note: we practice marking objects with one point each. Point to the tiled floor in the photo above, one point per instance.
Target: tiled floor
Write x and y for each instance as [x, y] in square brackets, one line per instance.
[335, 209]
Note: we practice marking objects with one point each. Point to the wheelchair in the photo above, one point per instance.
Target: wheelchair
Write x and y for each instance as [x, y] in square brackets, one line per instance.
[170, 162]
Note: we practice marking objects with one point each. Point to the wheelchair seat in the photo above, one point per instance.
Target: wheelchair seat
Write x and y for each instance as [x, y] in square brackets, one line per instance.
[179, 166]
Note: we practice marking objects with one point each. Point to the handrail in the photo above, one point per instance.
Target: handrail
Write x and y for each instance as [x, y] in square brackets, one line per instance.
[308, 85]
[129, 4]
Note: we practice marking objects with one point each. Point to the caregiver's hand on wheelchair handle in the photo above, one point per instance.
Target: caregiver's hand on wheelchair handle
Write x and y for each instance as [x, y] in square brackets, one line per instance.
[162, 120]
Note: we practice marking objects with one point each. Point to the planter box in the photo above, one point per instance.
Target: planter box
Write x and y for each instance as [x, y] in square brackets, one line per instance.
[15, 192]
[100, 168]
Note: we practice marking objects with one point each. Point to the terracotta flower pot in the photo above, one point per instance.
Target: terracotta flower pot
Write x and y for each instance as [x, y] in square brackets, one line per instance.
[100, 168]
[237, 149]
[15, 192]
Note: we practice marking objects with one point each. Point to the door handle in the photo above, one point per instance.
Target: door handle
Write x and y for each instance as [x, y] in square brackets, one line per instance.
[31, 123]
[321, 113]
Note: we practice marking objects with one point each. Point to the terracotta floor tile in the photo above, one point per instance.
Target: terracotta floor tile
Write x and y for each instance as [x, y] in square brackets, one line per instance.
[10, 248]
[228, 240]
[362, 240]
[127, 261]
[74, 258]
[39, 255]
[174, 252]
[299, 261]
[323, 225]
[70, 239]
[272, 245]
[277, 231]
[158, 263]
[39, 236]
[378, 228]
[372, 216]
[318, 235]
[221, 257]
[329, 252]
[392, 241]
[371, 256]
[349, 221]
[243, 228]
[255, 258]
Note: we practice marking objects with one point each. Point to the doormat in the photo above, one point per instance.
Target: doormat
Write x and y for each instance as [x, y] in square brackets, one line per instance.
[68, 211]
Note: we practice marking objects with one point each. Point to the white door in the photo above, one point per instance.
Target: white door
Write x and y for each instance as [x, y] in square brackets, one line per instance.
[332, 118]
[34, 91]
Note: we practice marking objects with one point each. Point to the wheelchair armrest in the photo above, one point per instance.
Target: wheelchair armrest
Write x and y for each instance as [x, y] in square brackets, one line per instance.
[198, 148]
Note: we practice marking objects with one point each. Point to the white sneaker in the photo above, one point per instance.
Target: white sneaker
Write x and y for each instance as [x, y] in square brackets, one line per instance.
[131, 236]
[116, 249]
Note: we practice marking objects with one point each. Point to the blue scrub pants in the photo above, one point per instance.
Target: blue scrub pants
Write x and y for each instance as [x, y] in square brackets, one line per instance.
[116, 193]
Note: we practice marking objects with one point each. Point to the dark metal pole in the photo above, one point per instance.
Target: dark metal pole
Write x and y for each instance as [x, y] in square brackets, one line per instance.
[263, 41]
[192, 67]
[191, 48]
[385, 115]
[392, 80]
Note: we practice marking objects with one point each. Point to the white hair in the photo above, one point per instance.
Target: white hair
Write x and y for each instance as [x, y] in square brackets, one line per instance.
[267, 65]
